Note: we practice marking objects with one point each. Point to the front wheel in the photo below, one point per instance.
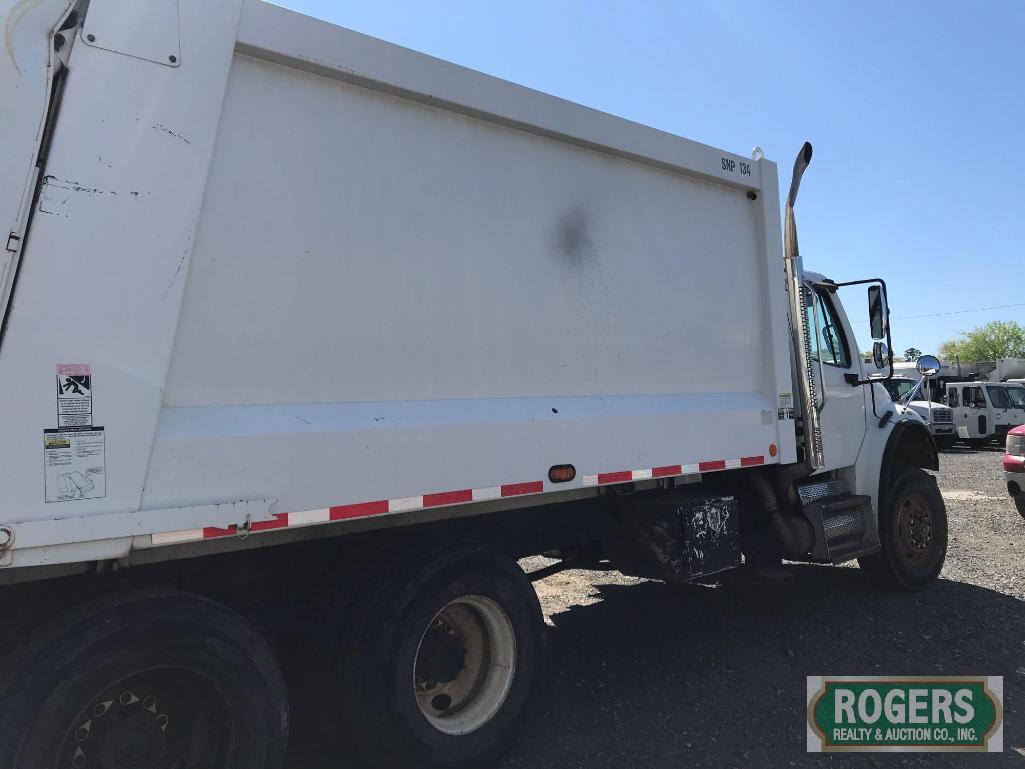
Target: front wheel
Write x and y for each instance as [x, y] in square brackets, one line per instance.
[912, 533]
[1019, 502]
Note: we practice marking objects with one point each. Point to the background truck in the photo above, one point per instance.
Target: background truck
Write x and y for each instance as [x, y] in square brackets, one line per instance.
[985, 411]
[307, 338]
[914, 395]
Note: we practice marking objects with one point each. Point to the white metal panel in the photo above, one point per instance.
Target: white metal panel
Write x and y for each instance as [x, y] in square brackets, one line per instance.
[148, 30]
[357, 246]
[317, 455]
[457, 303]
[777, 350]
[276, 34]
[102, 275]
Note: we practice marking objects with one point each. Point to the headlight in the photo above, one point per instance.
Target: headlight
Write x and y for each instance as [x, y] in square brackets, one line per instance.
[1016, 445]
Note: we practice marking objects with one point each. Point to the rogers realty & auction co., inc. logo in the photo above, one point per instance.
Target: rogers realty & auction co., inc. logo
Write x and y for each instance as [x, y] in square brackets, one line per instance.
[905, 713]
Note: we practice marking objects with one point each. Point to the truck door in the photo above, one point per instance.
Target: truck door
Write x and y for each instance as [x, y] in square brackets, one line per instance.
[976, 419]
[1016, 396]
[997, 395]
[843, 415]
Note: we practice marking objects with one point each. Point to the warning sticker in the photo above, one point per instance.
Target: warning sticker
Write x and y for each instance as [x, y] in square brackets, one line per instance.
[75, 464]
[786, 406]
[74, 395]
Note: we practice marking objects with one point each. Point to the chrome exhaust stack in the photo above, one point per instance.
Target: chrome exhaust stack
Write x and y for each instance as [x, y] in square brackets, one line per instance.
[801, 333]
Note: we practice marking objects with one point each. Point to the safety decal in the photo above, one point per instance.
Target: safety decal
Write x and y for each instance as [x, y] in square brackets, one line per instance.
[74, 462]
[74, 395]
[786, 406]
[74, 452]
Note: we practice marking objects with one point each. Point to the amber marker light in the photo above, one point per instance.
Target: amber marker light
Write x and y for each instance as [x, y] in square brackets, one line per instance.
[561, 473]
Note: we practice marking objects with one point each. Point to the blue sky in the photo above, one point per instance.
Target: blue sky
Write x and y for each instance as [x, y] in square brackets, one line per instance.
[916, 111]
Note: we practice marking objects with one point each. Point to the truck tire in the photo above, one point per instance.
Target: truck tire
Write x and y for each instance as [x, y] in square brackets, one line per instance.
[430, 662]
[1019, 502]
[912, 532]
[144, 679]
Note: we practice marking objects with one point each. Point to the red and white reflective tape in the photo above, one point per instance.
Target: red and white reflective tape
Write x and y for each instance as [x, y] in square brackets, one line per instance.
[358, 510]
[668, 471]
[441, 499]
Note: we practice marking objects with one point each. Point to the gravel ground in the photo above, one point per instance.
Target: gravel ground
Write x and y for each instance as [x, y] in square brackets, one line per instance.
[642, 674]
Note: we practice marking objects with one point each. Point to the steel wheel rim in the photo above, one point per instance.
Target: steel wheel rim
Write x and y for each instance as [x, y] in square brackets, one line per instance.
[915, 527]
[465, 665]
[156, 719]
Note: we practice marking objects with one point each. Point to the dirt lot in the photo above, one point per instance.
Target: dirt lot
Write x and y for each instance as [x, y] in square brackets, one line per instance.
[646, 675]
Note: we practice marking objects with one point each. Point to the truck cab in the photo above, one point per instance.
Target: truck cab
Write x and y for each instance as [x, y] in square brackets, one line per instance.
[978, 407]
[1009, 400]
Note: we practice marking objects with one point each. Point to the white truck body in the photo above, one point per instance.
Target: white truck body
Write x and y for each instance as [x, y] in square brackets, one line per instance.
[1008, 369]
[309, 270]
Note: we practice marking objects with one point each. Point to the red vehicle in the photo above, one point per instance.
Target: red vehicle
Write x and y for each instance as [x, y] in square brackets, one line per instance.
[1014, 467]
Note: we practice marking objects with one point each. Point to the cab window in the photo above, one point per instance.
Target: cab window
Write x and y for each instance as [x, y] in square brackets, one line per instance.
[973, 398]
[998, 396]
[952, 399]
[829, 341]
[1016, 395]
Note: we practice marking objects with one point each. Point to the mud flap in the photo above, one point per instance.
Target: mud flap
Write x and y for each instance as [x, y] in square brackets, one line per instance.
[675, 537]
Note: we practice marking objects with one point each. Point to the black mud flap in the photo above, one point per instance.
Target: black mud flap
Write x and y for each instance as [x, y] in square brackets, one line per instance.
[677, 537]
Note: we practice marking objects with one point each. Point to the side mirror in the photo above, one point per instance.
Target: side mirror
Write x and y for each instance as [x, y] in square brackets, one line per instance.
[880, 354]
[876, 313]
[928, 365]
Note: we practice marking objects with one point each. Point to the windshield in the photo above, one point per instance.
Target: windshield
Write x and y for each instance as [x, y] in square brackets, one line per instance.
[1016, 395]
[998, 396]
[898, 388]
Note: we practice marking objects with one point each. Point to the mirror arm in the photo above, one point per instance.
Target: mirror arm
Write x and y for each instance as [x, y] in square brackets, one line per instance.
[886, 324]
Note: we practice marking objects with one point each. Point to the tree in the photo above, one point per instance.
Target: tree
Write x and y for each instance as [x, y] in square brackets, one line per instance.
[997, 339]
[912, 354]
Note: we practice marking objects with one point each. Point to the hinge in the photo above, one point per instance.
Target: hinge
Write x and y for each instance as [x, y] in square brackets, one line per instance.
[13, 242]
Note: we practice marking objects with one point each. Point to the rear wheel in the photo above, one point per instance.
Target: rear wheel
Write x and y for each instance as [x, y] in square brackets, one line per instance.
[431, 663]
[143, 680]
[912, 532]
[1019, 502]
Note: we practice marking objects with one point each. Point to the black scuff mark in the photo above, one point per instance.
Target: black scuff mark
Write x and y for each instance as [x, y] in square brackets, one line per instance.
[169, 132]
[303, 420]
[51, 183]
[177, 272]
[574, 237]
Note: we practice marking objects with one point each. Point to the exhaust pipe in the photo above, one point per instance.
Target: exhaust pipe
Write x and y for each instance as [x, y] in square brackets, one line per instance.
[793, 532]
[800, 331]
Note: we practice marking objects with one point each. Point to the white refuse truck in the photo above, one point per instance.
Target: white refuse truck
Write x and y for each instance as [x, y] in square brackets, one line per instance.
[307, 338]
